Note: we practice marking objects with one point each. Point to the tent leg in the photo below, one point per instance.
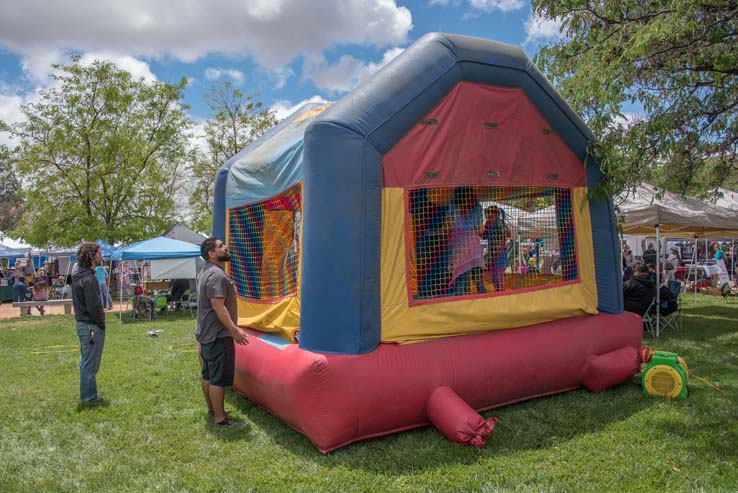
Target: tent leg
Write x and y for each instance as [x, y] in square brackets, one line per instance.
[658, 278]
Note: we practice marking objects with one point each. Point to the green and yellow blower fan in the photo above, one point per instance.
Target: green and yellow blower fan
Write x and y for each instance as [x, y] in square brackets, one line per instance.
[665, 376]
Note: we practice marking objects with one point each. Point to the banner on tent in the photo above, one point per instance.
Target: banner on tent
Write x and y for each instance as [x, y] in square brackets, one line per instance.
[174, 268]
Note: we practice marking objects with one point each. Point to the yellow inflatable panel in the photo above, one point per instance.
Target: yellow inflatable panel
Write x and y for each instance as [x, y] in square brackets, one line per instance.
[281, 317]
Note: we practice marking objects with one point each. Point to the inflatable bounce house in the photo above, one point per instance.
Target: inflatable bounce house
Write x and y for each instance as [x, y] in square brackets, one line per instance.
[422, 248]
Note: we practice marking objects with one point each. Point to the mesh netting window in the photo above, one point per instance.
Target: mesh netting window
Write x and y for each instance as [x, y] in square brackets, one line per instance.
[486, 240]
[264, 245]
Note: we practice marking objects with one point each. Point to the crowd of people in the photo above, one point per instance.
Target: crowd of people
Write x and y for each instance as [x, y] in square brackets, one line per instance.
[640, 279]
[30, 284]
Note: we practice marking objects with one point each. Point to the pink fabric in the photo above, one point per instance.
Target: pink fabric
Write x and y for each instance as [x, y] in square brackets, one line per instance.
[466, 252]
[41, 295]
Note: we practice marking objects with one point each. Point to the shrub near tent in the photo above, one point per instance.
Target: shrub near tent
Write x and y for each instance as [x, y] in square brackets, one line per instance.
[360, 269]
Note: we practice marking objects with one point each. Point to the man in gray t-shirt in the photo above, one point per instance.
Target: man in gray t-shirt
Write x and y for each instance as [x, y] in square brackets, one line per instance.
[216, 329]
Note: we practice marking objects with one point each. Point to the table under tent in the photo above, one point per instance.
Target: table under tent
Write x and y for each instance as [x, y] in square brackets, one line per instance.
[9, 253]
[669, 215]
[167, 258]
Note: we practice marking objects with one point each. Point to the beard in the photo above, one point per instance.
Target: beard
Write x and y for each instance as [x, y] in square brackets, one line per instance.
[224, 258]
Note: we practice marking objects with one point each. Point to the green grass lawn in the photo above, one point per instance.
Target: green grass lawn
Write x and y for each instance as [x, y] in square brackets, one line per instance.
[154, 434]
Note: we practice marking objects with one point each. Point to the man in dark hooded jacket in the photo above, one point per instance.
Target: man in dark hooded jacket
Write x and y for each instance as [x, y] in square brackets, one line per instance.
[639, 291]
[90, 316]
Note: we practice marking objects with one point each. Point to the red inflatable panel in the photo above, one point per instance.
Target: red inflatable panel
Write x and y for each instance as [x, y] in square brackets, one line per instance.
[456, 420]
[601, 372]
[337, 399]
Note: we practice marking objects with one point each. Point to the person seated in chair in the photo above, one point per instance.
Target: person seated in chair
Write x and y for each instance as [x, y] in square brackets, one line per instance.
[667, 301]
[21, 292]
[40, 292]
[639, 291]
[177, 289]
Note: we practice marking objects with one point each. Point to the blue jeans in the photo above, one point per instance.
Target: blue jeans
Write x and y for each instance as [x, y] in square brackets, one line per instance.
[105, 299]
[89, 360]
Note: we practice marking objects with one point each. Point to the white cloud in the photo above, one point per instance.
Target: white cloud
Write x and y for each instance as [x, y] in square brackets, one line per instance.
[283, 109]
[627, 119]
[10, 112]
[136, 68]
[197, 134]
[346, 73]
[280, 76]
[272, 32]
[538, 29]
[501, 5]
[480, 7]
[212, 73]
[36, 64]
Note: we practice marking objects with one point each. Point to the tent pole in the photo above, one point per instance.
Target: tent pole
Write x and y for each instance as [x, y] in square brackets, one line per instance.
[694, 268]
[658, 278]
[120, 289]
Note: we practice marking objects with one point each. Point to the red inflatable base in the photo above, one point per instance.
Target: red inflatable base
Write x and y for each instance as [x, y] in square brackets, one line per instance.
[336, 399]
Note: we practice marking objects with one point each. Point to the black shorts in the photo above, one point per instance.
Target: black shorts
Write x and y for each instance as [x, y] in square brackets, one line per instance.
[218, 361]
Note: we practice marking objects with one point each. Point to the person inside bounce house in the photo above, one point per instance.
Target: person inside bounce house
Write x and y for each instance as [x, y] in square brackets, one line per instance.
[467, 260]
[496, 232]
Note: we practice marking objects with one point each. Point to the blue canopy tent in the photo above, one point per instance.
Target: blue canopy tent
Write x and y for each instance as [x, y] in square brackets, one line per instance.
[7, 252]
[159, 248]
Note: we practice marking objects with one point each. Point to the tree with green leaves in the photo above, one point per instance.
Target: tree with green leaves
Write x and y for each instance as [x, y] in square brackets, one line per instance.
[99, 155]
[676, 62]
[11, 203]
[236, 121]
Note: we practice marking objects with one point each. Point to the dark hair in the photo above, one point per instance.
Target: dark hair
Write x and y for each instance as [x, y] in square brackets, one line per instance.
[642, 269]
[86, 254]
[208, 246]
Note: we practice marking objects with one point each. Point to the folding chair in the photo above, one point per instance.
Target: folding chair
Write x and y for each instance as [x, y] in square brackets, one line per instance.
[142, 307]
[189, 301]
[649, 319]
[181, 303]
[161, 305]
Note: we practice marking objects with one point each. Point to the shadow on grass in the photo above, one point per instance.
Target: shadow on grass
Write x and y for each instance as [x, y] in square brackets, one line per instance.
[241, 431]
[532, 425]
[93, 406]
[705, 421]
[127, 318]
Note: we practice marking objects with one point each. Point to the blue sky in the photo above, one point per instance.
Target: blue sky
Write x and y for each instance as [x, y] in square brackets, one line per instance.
[284, 52]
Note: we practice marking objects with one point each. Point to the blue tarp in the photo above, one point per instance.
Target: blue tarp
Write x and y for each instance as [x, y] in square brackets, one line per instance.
[7, 252]
[157, 248]
[108, 250]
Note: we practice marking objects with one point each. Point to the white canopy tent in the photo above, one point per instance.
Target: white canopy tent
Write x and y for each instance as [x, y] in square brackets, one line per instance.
[646, 212]
[674, 215]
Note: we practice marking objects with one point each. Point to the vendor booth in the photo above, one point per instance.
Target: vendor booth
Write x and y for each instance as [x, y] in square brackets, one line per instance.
[167, 259]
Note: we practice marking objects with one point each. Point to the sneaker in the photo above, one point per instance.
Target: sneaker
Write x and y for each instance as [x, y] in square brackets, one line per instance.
[226, 423]
[100, 399]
